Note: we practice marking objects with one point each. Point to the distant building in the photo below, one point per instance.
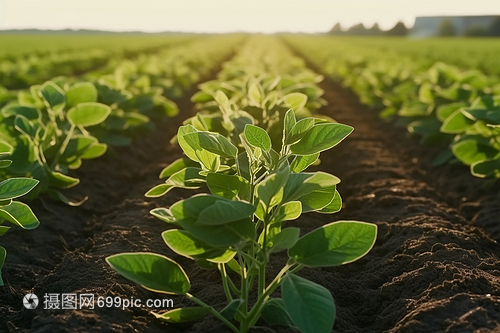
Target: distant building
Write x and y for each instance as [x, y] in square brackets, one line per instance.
[430, 26]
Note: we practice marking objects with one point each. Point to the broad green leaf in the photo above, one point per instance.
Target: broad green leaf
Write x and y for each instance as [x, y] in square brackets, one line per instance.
[299, 130]
[193, 206]
[94, 151]
[183, 130]
[275, 313]
[83, 92]
[25, 126]
[300, 163]
[213, 142]
[284, 239]
[88, 114]
[270, 190]
[63, 181]
[5, 164]
[317, 199]
[176, 166]
[16, 187]
[335, 244]
[158, 191]
[53, 96]
[12, 110]
[310, 305]
[257, 137]
[228, 186]
[5, 148]
[232, 234]
[302, 184]
[20, 214]
[471, 151]
[3, 254]
[183, 315]
[201, 97]
[444, 111]
[456, 123]
[288, 211]
[163, 214]
[334, 206]
[181, 242]
[295, 101]
[230, 310]
[225, 211]
[61, 197]
[321, 137]
[221, 98]
[152, 271]
[486, 168]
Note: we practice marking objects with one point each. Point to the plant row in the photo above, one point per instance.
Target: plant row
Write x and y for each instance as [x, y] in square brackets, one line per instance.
[444, 105]
[50, 129]
[250, 149]
[22, 72]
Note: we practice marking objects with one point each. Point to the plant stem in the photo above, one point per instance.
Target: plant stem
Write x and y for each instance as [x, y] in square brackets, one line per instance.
[222, 269]
[214, 313]
[63, 147]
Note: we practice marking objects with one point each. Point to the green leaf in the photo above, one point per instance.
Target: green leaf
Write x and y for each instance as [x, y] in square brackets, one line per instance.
[228, 186]
[188, 178]
[53, 96]
[289, 122]
[94, 151]
[300, 163]
[183, 243]
[88, 114]
[257, 137]
[284, 239]
[213, 142]
[152, 271]
[270, 190]
[288, 211]
[456, 123]
[295, 101]
[335, 244]
[321, 137]
[176, 166]
[183, 315]
[21, 214]
[486, 168]
[275, 313]
[310, 305]
[471, 151]
[3, 254]
[163, 214]
[3, 230]
[225, 211]
[230, 310]
[83, 92]
[16, 187]
[63, 181]
[5, 148]
[300, 185]
[61, 197]
[299, 130]
[25, 126]
[12, 110]
[5, 164]
[334, 206]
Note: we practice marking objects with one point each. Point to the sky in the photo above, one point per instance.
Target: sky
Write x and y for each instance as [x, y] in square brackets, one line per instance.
[266, 16]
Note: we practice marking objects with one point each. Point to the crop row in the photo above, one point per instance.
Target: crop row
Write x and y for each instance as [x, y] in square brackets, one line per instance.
[23, 71]
[443, 104]
[48, 130]
[250, 148]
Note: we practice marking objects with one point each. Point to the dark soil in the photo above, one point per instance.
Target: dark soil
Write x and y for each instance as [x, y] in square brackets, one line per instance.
[434, 267]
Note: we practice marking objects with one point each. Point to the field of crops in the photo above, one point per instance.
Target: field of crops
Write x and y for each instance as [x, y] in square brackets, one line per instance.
[259, 183]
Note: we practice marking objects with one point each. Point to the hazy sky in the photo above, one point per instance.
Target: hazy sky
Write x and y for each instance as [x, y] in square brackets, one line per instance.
[227, 15]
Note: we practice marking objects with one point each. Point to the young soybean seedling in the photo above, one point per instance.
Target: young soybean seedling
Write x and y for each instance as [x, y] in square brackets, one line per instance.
[13, 211]
[243, 222]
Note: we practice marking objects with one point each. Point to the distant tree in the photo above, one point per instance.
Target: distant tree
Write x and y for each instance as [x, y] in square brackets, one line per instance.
[375, 30]
[358, 30]
[494, 29]
[476, 31]
[398, 30]
[336, 30]
[447, 28]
